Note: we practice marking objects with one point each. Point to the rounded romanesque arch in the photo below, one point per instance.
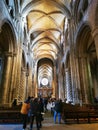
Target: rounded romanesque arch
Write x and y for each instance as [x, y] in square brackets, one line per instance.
[8, 50]
[45, 69]
[87, 64]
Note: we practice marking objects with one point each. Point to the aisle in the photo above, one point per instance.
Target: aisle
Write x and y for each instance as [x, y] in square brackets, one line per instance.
[48, 124]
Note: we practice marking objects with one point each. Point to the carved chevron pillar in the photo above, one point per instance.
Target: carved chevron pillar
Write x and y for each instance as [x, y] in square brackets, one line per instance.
[18, 75]
[68, 86]
[65, 91]
[30, 89]
[22, 87]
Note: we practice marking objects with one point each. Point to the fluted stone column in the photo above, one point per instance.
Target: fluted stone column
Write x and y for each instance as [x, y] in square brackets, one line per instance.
[54, 84]
[30, 90]
[95, 35]
[18, 74]
[13, 79]
[84, 80]
[35, 81]
[7, 78]
[68, 86]
[78, 99]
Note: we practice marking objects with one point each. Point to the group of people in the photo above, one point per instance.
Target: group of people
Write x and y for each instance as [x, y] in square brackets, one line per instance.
[33, 108]
[56, 107]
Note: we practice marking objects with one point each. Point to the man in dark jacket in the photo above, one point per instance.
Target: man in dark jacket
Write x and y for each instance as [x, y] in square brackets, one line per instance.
[41, 107]
[58, 110]
[35, 113]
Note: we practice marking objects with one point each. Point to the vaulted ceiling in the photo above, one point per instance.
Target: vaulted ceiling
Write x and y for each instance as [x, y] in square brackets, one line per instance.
[45, 21]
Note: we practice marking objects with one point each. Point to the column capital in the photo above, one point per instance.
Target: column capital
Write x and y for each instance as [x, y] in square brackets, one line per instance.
[10, 54]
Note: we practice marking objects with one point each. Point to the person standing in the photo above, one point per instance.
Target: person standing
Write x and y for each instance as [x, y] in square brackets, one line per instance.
[41, 108]
[45, 104]
[24, 111]
[58, 110]
[35, 113]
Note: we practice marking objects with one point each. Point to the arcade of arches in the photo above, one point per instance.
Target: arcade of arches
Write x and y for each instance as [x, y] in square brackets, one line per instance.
[49, 48]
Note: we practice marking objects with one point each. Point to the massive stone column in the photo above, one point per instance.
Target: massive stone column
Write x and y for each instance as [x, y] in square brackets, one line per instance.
[68, 86]
[30, 89]
[65, 90]
[23, 86]
[54, 83]
[78, 96]
[35, 81]
[7, 78]
[95, 35]
[84, 79]
[13, 79]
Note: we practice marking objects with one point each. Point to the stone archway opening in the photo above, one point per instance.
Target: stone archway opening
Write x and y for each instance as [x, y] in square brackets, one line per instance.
[7, 52]
[88, 65]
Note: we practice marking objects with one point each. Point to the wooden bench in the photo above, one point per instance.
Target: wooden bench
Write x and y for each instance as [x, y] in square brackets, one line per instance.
[76, 113]
[10, 115]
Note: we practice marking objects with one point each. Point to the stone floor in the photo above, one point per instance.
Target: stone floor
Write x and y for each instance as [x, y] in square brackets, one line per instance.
[54, 127]
[48, 124]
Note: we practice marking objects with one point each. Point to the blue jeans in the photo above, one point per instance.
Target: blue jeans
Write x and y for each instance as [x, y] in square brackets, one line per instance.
[57, 114]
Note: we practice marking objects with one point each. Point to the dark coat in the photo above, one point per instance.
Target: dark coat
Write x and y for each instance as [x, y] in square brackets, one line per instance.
[58, 107]
[34, 107]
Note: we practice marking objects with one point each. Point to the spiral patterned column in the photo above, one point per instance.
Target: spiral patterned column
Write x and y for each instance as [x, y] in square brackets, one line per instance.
[68, 86]
[65, 86]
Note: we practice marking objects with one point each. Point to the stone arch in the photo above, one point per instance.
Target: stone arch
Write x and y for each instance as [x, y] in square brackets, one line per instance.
[96, 16]
[8, 50]
[48, 71]
[87, 62]
[8, 32]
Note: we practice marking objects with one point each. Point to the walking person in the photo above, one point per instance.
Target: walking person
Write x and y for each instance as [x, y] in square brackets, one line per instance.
[45, 104]
[24, 112]
[52, 106]
[41, 105]
[58, 110]
[35, 113]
